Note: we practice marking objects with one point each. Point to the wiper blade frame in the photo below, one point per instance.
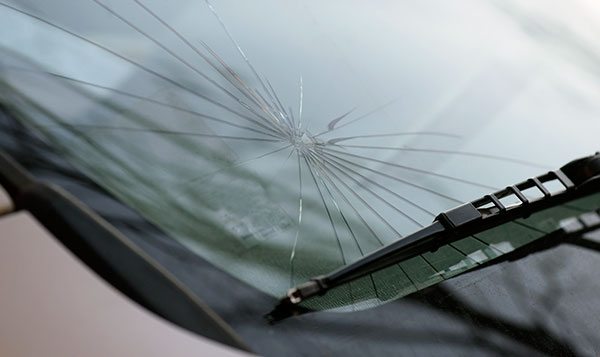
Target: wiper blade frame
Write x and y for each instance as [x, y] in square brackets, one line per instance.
[580, 178]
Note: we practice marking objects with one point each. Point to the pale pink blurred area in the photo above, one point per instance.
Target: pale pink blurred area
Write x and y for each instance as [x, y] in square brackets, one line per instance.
[6, 204]
[53, 305]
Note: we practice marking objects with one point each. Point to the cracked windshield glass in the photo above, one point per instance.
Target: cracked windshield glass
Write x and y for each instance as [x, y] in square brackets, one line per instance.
[282, 140]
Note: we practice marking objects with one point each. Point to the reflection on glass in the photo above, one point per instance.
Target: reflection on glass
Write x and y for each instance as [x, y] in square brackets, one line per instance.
[283, 147]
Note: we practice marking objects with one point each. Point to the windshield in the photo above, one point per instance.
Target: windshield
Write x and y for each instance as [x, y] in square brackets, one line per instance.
[280, 140]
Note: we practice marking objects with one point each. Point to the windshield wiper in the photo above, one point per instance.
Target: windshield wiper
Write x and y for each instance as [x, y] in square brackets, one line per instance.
[579, 178]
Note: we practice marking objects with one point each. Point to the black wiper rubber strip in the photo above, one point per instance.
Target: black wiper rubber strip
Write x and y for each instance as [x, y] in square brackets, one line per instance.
[112, 255]
[579, 178]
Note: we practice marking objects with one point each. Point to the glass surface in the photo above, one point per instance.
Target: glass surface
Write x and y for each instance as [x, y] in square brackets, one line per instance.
[455, 258]
[282, 140]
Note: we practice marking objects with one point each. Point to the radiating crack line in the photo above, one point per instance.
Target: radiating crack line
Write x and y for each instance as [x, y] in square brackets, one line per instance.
[180, 59]
[300, 205]
[331, 222]
[374, 211]
[327, 211]
[300, 105]
[157, 131]
[253, 95]
[346, 168]
[379, 108]
[408, 183]
[324, 174]
[426, 172]
[136, 64]
[276, 101]
[425, 133]
[237, 46]
[204, 57]
[376, 195]
[451, 152]
[142, 98]
[347, 224]
[237, 164]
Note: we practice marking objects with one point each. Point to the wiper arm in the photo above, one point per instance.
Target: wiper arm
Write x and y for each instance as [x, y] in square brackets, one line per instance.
[579, 178]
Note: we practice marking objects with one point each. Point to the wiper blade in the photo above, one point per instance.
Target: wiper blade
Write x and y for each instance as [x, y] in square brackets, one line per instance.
[579, 178]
